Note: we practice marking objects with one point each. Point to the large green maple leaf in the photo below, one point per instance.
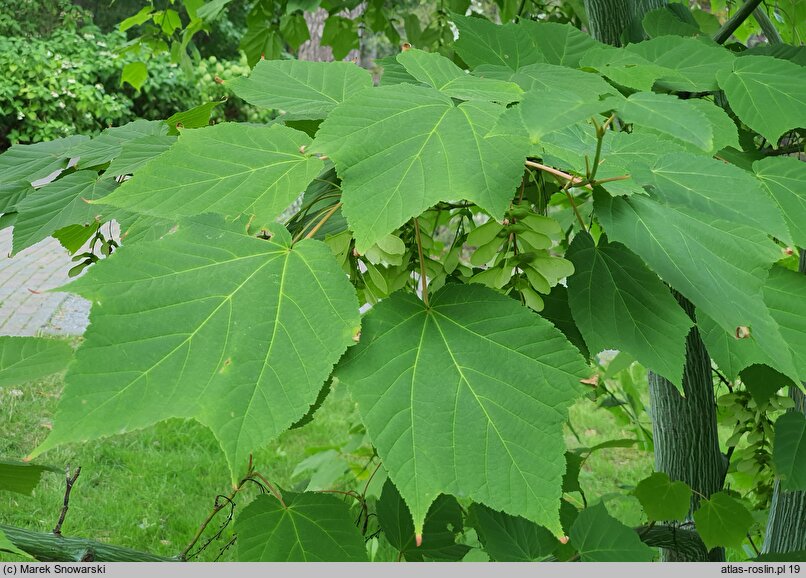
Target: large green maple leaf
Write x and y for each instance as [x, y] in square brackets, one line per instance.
[561, 78]
[561, 44]
[713, 187]
[789, 451]
[785, 297]
[307, 527]
[625, 68]
[231, 169]
[401, 149]
[691, 64]
[556, 98]
[618, 303]
[783, 178]
[670, 115]
[510, 538]
[466, 397]
[730, 354]
[59, 204]
[482, 42]
[22, 477]
[599, 537]
[22, 165]
[209, 323]
[441, 73]
[545, 111]
[24, 359]
[767, 94]
[720, 266]
[722, 520]
[107, 145]
[135, 153]
[307, 90]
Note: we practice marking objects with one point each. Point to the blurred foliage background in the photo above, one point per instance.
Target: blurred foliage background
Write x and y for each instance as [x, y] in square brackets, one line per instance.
[79, 66]
[62, 63]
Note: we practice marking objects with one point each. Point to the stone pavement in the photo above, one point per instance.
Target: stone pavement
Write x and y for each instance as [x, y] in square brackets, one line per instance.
[25, 307]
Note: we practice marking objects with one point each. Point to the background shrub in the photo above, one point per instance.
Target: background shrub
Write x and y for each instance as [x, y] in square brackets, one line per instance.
[57, 86]
[62, 77]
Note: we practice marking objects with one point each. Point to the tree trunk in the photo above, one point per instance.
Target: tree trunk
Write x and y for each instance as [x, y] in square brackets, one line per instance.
[313, 50]
[609, 18]
[685, 542]
[48, 547]
[684, 429]
[786, 526]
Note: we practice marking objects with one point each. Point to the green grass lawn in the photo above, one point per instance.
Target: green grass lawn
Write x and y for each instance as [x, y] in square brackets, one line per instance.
[150, 489]
[609, 474]
[147, 490]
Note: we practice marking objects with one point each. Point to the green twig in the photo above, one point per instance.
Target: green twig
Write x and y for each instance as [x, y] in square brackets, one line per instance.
[729, 27]
[600, 133]
[753, 544]
[770, 31]
[324, 219]
[574, 205]
[520, 8]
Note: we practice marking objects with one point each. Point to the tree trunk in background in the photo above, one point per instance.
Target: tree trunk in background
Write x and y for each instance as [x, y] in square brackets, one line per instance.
[312, 49]
[684, 429]
[786, 526]
[609, 18]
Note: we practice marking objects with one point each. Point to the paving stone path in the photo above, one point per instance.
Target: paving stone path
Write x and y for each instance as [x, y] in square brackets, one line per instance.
[25, 307]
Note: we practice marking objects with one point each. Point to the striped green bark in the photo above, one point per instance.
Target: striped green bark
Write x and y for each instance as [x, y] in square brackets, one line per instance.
[48, 547]
[609, 18]
[685, 431]
[786, 526]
